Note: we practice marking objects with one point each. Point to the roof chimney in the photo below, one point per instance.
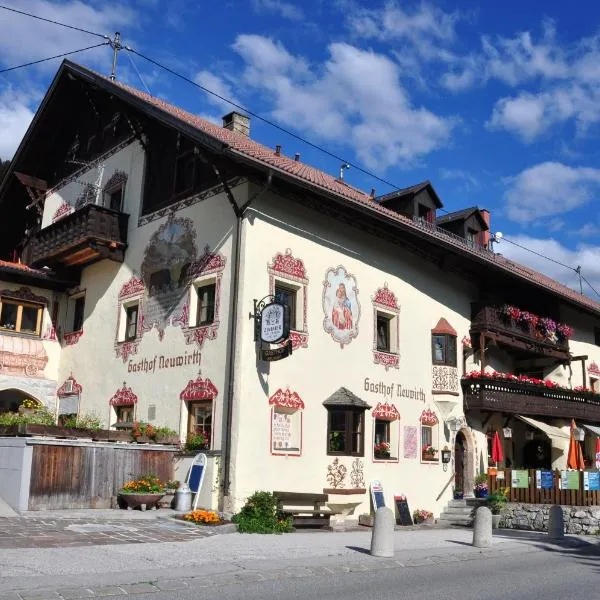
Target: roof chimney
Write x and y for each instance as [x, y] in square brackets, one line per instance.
[372, 193]
[278, 150]
[297, 157]
[485, 235]
[235, 121]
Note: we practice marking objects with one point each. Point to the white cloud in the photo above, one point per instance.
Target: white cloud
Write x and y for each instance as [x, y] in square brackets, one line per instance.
[287, 10]
[469, 182]
[15, 117]
[526, 116]
[549, 188]
[586, 256]
[355, 97]
[219, 86]
[23, 39]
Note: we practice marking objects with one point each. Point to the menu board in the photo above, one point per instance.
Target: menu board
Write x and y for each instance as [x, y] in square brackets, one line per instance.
[591, 481]
[544, 480]
[404, 516]
[519, 478]
[377, 495]
[569, 480]
[411, 441]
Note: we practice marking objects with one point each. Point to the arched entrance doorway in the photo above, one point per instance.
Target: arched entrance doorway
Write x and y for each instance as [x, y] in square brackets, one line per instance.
[464, 457]
[11, 399]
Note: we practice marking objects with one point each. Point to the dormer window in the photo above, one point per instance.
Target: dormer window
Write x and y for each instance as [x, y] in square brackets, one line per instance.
[426, 214]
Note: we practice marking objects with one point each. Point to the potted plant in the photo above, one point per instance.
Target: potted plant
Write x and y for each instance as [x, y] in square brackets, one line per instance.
[429, 452]
[144, 492]
[168, 499]
[143, 432]
[481, 486]
[196, 441]
[420, 515]
[165, 435]
[30, 406]
[382, 450]
[458, 494]
[496, 503]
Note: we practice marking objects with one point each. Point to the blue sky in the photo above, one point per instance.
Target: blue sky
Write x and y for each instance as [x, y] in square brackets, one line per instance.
[497, 103]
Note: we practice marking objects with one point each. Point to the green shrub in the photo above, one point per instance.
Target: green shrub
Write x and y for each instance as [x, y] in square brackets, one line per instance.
[40, 417]
[160, 432]
[83, 421]
[260, 515]
[495, 502]
[195, 442]
[481, 478]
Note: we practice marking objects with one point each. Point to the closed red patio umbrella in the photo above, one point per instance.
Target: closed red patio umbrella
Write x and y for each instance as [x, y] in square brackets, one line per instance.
[575, 456]
[497, 454]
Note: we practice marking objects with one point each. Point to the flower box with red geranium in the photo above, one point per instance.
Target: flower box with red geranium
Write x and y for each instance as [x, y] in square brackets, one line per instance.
[429, 453]
[381, 450]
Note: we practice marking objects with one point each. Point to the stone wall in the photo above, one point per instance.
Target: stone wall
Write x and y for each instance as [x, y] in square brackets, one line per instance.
[534, 517]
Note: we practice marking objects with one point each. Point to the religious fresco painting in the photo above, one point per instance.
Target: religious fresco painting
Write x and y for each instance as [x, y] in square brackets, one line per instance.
[167, 259]
[340, 305]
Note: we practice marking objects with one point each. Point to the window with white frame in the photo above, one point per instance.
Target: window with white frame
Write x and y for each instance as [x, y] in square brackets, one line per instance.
[128, 322]
[386, 432]
[429, 437]
[203, 302]
[75, 313]
[290, 295]
[200, 417]
[387, 332]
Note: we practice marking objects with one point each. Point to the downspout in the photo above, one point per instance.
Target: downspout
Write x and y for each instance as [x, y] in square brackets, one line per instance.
[233, 312]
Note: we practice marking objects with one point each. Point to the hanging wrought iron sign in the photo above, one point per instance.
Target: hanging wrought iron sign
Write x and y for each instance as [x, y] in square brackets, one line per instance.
[272, 326]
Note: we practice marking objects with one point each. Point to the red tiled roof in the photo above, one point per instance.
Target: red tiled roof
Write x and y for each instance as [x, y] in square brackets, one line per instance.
[5, 264]
[238, 143]
[444, 327]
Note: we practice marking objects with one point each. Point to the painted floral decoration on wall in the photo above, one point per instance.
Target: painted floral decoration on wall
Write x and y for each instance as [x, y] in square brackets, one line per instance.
[340, 305]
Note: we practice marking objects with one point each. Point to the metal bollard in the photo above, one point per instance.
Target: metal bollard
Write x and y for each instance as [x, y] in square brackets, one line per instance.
[183, 498]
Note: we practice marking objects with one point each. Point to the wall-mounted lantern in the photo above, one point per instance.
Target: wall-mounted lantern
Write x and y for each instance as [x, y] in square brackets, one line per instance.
[446, 455]
[578, 434]
[507, 432]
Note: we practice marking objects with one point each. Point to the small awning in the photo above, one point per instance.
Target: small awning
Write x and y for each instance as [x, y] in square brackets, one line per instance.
[595, 429]
[551, 431]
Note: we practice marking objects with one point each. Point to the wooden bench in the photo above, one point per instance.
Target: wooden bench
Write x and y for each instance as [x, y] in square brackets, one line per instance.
[306, 509]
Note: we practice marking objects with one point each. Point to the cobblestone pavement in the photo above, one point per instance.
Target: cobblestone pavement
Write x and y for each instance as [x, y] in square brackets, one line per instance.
[241, 577]
[63, 533]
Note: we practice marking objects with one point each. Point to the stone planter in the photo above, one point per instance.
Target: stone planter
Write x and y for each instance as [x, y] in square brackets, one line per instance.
[168, 439]
[496, 521]
[168, 500]
[366, 520]
[143, 439]
[144, 501]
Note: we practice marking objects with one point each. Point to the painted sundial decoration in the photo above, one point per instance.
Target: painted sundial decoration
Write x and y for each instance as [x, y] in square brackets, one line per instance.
[170, 252]
[340, 305]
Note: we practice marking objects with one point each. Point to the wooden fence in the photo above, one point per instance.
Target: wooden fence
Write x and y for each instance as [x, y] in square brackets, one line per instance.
[88, 476]
[535, 495]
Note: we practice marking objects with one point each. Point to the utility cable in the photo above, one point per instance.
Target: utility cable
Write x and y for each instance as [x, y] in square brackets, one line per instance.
[265, 120]
[591, 286]
[504, 239]
[22, 12]
[37, 62]
[137, 70]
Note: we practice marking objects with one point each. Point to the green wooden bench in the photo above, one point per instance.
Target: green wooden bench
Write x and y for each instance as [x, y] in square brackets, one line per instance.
[305, 509]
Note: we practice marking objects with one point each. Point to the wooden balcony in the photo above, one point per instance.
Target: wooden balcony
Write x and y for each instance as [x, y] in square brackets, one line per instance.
[486, 320]
[85, 236]
[515, 397]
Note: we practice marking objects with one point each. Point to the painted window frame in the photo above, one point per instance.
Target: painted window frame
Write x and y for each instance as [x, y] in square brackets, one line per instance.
[429, 434]
[124, 307]
[20, 304]
[350, 414]
[388, 417]
[72, 302]
[194, 300]
[450, 358]
[385, 306]
[191, 406]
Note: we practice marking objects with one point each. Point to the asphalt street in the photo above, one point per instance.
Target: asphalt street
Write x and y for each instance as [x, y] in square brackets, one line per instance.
[427, 563]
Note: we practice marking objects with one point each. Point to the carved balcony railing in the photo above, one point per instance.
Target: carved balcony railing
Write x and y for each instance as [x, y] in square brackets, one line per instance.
[87, 235]
[487, 321]
[516, 397]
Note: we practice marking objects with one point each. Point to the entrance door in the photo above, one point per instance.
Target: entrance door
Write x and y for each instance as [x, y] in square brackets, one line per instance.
[459, 461]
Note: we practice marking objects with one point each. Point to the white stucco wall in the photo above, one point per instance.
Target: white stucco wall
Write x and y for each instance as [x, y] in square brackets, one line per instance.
[425, 294]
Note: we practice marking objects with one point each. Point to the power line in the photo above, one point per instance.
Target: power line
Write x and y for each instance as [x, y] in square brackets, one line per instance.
[37, 62]
[138, 72]
[22, 12]
[593, 289]
[265, 120]
[504, 239]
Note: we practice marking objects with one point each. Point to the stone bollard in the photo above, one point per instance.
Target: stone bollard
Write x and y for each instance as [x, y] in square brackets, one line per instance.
[556, 523]
[382, 540]
[482, 529]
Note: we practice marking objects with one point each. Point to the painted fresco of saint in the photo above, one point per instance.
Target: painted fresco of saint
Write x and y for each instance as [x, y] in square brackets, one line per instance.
[341, 314]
